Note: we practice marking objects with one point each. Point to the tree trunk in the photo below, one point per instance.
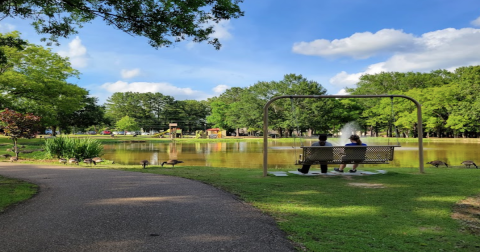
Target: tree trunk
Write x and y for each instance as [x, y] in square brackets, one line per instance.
[15, 147]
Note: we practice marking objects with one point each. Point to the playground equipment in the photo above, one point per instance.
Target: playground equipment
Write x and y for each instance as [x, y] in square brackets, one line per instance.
[161, 133]
[214, 133]
[200, 134]
[385, 158]
[176, 132]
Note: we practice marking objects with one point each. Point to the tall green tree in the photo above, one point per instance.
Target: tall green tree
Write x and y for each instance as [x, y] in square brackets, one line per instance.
[90, 114]
[129, 104]
[127, 123]
[194, 114]
[35, 81]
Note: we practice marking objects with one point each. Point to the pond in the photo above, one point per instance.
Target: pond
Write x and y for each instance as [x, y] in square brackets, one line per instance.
[249, 154]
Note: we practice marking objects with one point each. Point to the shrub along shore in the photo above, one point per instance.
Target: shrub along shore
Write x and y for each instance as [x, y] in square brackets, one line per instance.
[398, 211]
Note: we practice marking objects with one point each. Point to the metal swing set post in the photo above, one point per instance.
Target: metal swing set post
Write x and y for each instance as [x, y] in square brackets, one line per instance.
[265, 121]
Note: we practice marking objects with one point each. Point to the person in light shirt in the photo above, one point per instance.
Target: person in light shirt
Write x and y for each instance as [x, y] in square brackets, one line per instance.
[322, 141]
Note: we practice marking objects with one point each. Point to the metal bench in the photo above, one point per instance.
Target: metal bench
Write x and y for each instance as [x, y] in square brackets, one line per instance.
[380, 154]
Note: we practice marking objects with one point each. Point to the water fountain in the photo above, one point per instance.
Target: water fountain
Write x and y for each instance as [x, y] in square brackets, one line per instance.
[347, 130]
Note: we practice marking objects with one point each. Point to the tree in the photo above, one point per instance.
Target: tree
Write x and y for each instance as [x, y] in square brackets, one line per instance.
[35, 81]
[17, 125]
[127, 123]
[194, 114]
[161, 21]
[129, 104]
[9, 41]
[90, 114]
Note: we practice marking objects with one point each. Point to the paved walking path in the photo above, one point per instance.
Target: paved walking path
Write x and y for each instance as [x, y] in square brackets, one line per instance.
[81, 209]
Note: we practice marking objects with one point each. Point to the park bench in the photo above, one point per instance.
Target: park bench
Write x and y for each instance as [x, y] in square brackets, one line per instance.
[381, 154]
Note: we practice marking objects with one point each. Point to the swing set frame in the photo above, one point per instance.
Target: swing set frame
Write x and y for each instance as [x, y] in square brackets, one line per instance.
[265, 121]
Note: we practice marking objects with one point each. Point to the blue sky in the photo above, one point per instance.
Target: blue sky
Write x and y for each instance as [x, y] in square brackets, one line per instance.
[332, 42]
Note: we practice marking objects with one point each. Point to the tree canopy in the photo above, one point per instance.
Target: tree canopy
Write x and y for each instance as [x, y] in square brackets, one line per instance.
[161, 21]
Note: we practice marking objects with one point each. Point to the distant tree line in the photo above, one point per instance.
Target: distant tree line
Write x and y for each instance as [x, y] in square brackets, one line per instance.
[243, 108]
[450, 102]
[154, 111]
[33, 80]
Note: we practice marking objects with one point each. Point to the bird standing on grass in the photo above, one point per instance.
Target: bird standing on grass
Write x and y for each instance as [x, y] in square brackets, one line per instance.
[97, 160]
[73, 161]
[89, 161]
[13, 159]
[436, 163]
[63, 161]
[144, 163]
[467, 163]
[172, 162]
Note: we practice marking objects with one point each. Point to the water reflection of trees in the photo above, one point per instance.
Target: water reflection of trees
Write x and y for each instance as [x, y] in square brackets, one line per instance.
[281, 155]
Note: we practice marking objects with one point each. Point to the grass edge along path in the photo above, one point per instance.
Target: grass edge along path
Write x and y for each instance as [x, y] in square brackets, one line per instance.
[403, 211]
[14, 191]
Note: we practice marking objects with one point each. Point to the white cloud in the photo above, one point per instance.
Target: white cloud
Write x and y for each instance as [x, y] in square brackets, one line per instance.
[126, 74]
[343, 79]
[5, 28]
[77, 53]
[161, 87]
[220, 89]
[476, 22]
[222, 30]
[342, 92]
[359, 45]
[442, 49]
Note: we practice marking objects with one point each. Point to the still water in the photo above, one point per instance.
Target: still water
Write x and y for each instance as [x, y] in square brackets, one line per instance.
[249, 154]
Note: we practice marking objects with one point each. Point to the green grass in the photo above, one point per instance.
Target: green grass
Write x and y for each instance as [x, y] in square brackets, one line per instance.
[410, 213]
[13, 191]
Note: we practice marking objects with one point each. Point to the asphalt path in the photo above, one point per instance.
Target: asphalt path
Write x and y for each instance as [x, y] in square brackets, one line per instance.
[81, 209]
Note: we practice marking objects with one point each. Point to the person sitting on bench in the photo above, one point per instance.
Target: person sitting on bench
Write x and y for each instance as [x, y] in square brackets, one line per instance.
[354, 141]
[322, 142]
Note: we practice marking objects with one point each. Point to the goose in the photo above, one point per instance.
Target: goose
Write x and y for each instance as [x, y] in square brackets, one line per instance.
[97, 159]
[63, 161]
[13, 159]
[73, 161]
[89, 161]
[436, 163]
[467, 163]
[144, 163]
[172, 162]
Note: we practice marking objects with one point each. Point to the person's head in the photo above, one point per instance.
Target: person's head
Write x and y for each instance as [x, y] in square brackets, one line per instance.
[355, 139]
[322, 137]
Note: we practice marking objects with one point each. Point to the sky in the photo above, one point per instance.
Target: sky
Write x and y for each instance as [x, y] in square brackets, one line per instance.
[332, 42]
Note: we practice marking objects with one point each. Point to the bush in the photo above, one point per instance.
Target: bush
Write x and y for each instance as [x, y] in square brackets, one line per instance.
[67, 147]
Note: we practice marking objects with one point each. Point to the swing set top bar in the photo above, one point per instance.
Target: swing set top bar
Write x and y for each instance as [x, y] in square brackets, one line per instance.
[265, 121]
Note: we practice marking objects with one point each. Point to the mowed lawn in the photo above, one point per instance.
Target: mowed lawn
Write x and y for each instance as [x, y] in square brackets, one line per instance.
[402, 210]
